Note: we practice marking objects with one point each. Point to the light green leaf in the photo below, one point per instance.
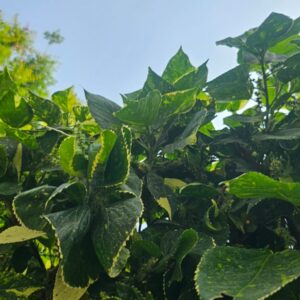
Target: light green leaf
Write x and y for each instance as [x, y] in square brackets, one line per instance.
[67, 151]
[99, 153]
[17, 234]
[14, 110]
[118, 164]
[62, 291]
[110, 234]
[245, 274]
[178, 65]
[177, 103]
[71, 227]
[102, 110]
[65, 99]
[17, 160]
[143, 112]
[257, 185]
[194, 79]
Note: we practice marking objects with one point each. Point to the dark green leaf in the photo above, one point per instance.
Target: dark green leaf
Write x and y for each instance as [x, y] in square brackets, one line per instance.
[3, 161]
[45, 110]
[29, 207]
[199, 190]
[71, 226]
[232, 85]
[280, 135]
[110, 234]
[102, 110]
[189, 135]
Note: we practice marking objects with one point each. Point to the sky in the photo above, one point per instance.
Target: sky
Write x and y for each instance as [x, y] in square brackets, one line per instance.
[109, 44]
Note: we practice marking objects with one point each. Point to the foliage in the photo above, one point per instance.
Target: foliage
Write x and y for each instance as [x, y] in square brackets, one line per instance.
[28, 67]
[149, 200]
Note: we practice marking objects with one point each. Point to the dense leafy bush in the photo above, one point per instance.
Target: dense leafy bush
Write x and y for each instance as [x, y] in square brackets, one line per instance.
[149, 200]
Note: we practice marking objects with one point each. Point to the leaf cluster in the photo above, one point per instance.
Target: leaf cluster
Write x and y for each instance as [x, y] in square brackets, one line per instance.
[149, 200]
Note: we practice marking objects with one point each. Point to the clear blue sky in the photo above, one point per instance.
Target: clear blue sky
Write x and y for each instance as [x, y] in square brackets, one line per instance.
[110, 43]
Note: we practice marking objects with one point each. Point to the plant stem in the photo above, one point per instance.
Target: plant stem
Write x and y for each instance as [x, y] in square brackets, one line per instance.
[265, 89]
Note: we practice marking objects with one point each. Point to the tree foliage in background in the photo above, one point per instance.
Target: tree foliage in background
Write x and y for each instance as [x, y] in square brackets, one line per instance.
[28, 67]
[149, 200]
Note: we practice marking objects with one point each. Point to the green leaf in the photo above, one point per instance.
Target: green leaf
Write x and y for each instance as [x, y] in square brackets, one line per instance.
[99, 153]
[110, 234]
[194, 79]
[118, 164]
[178, 66]
[14, 110]
[65, 99]
[102, 110]
[3, 161]
[147, 246]
[62, 291]
[280, 135]
[270, 32]
[67, 152]
[75, 191]
[17, 234]
[245, 274]
[257, 185]
[155, 82]
[177, 103]
[16, 286]
[199, 190]
[186, 242]
[29, 207]
[9, 188]
[232, 85]
[189, 135]
[71, 227]
[143, 112]
[45, 110]
[290, 69]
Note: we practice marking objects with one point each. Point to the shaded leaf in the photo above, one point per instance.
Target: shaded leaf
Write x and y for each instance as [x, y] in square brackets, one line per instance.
[232, 85]
[71, 227]
[102, 110]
